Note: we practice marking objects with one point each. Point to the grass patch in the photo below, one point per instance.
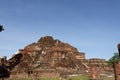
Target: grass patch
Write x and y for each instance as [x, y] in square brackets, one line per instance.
[22, 79]
[49, 79]
[79, 78]
[70, 78]
[39, 79]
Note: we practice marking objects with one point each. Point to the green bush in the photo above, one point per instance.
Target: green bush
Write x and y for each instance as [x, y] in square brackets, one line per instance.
[49, 79]
[79, 78]
[23, 79]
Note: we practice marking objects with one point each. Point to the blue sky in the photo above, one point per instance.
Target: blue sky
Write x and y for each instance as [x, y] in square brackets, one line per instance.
[92, 26]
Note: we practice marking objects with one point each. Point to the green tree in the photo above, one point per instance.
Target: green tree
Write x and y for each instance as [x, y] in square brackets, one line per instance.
[114, 58]
[1, 28]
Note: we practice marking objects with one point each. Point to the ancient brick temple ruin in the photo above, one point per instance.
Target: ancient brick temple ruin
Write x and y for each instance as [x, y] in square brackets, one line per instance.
[52, 57]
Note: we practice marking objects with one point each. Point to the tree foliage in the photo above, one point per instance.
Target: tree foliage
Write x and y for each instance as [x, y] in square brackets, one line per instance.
[114, 58]
[1, 28]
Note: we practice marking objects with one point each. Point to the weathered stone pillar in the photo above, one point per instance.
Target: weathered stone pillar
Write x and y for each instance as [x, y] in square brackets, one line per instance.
[117, 66]
[2, 61]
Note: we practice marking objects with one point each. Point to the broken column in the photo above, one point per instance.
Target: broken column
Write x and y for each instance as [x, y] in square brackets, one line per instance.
[3, 60]
[117, 66]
